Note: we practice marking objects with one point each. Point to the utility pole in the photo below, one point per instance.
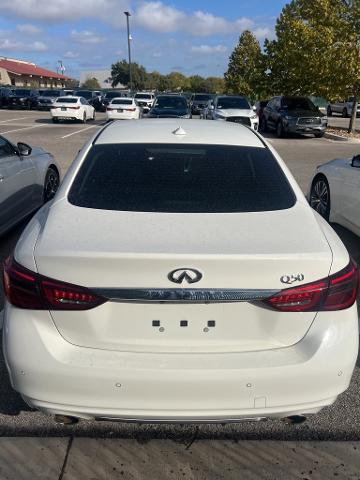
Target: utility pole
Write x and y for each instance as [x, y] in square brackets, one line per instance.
[127, 14]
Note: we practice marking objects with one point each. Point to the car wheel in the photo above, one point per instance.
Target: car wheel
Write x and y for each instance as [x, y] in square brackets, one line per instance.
[320, 196]
[84, 118]
[94, 116]
[280, 133]
[319, 134]
[345, 113]
[55, 120]
[329, 111]
[51, 184]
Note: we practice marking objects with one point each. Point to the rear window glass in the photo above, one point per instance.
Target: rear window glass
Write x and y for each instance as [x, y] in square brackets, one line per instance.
[181, 179]
[66, 100]
[122, 101]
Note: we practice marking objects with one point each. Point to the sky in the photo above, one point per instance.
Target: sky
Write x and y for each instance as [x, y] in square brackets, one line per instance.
[192, 37]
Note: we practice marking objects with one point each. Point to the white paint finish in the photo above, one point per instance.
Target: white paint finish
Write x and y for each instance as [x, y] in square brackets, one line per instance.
[78, 109]
[198, 386]
[118, 109]
[156, 130]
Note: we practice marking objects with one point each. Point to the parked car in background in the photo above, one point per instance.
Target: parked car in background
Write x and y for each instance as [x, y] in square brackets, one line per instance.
[122, 108]
[91, 97]
[231, 108]
[285, 115]
[48, 98]
[167, 106]
[344, 107]
[72, 108]
[23, 98]
[106, 99]
[5, 93]
[180, 275]
[29, 177]
[67, 91]
[145, 100]
[198, 102]
[335, 192]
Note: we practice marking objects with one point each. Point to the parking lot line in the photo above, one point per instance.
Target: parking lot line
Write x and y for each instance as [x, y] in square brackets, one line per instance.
[79, 131]
[13, 119]
[19, 129]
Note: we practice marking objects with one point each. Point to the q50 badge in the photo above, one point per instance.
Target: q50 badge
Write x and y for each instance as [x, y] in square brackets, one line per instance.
[289, 279]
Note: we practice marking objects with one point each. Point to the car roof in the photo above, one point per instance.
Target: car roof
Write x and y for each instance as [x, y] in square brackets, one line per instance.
[163, 131]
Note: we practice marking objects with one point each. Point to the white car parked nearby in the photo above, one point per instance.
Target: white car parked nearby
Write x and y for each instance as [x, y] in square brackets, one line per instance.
[335, 192]
[179, 275]
[122, 108]
[145, 100]
[72, 108]
[231, 108]
[29, 177]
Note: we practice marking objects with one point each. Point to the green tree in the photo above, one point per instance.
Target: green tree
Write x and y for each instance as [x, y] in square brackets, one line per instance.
[317, 50]
[215, 84]
[91, 84]
[120, 74]
[245, 73]
[197, 84]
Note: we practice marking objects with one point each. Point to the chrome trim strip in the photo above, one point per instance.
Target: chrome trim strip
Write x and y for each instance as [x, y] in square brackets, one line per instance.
[182, 295]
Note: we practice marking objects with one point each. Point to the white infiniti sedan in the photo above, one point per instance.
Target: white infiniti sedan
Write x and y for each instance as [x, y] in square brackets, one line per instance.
[335, 192]
[72, 108]
[179, 276]
[121, 108]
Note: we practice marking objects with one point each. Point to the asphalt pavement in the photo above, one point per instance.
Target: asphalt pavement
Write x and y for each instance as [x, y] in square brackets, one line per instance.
[340, 422]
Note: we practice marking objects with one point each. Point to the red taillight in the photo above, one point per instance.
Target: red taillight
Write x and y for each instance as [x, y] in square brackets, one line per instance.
[130, 109]
[336, 292]
[73, 108]
[26, 289]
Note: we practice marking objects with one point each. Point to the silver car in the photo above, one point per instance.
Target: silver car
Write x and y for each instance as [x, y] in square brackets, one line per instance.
[29, 177]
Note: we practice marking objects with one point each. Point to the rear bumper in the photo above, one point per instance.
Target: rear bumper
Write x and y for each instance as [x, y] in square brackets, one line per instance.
[67, 115]
[58, 377]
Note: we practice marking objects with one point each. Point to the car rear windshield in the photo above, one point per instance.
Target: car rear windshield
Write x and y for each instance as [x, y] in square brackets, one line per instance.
[143, 95]
[171, 102]
[66, 100]
[112, 94]
[122, 101]
[233, 102]
[298, 103]
[84, 93]
[25, 93]
[202, 98]
[181, 179]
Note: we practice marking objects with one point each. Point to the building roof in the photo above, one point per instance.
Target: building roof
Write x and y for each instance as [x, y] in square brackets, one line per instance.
[26, 68]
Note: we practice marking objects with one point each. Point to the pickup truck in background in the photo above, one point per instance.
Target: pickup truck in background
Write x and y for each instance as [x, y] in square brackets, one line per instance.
[343, 107]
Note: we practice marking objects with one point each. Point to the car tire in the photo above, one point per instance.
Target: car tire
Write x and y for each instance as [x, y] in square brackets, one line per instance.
[84, 118]
[94, 116]
[51, 184]
[320, 196]
[55, 120]
[280, 132]
[319, 134]
[329, 111]
[345, 113]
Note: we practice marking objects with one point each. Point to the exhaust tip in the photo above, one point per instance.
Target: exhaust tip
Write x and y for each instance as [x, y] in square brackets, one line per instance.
[65, 420]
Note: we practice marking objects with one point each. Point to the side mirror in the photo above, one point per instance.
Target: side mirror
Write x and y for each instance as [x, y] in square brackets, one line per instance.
[24, 149]
[355, 162]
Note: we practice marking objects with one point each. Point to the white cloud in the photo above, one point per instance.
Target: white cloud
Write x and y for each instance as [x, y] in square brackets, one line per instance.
[86, 36]
[70, 54]
[159, 17]
[58, 10]
[28, 29]
[15, 46]
[262, 32]
[208, 49]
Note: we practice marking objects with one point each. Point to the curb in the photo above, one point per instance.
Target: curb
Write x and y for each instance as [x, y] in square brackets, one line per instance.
[338, 138]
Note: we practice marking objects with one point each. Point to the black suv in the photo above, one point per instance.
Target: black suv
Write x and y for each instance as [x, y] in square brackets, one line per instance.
[170, 106]
[91, 96]
[293, 115]
[5, 93]
[24, 98]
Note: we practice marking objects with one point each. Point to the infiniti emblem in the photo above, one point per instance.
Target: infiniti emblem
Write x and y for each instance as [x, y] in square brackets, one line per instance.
[190, 275]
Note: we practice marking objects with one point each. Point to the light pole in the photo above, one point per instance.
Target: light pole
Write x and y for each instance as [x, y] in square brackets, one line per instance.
[129, 50]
